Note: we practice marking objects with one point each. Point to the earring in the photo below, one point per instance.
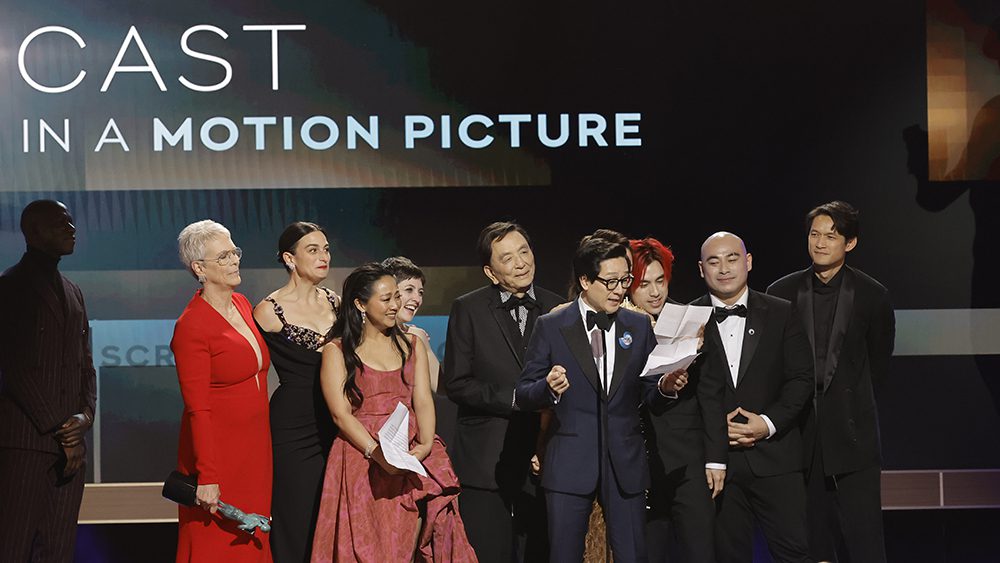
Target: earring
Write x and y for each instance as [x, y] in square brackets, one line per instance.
[291, 266]
[202, 279]
[364, 317]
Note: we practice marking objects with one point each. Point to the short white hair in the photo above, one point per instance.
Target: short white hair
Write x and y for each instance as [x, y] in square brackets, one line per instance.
[193, 239]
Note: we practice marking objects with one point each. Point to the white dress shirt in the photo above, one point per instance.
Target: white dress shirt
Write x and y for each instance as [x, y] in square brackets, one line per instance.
[732, 330]
[609, 345]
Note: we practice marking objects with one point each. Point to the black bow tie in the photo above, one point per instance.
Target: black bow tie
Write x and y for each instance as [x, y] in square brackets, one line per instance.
[602, 320]
[722, 313]
[528, 302]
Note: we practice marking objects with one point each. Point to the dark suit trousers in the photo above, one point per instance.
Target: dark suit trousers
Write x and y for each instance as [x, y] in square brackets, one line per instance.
[848, 503]
[38, 507]
[681, 503]
[778, 503]
[624, 516]
[504, 527]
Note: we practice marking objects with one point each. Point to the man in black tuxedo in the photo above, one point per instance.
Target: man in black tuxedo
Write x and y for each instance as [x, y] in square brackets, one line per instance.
[584, 362]
[758, 346]
[685, 438]
[488, 332]
[851, 327]
[47, 393]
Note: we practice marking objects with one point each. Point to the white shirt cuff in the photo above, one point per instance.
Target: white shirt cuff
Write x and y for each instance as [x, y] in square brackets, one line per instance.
[513, 400]
[770, 426]
[720, 466]
[660, 389]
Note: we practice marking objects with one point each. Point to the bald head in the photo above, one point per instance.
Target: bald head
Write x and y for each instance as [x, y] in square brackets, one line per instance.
[724, 265]
[47, 226]
[722, 237]
[37, 212]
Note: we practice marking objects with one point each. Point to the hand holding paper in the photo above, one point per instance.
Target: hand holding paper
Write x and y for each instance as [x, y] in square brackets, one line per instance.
[668, 358]
[678, 332]
[394, 441]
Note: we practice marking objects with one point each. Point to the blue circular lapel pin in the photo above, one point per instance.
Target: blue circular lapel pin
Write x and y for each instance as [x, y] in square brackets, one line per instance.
[625, 341]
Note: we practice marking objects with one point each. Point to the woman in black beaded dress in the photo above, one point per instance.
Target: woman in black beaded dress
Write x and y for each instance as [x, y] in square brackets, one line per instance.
[295, 321]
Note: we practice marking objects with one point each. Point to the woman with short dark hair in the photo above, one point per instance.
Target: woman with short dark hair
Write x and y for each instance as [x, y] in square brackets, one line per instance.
[410, 280]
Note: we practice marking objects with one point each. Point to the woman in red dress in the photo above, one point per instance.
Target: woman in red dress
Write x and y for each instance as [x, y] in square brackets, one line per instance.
[374, 512]
[222, 367]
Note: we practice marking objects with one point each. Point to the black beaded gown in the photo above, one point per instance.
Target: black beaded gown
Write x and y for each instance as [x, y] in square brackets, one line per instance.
[301, 434]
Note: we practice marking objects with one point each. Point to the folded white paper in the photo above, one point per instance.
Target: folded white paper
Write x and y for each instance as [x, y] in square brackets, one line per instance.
[678, 330]
[394, 440]
[668, 358]
[681, 321]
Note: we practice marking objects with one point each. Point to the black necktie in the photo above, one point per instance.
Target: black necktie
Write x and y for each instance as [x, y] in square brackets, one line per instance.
[722, 313]
[602, 320]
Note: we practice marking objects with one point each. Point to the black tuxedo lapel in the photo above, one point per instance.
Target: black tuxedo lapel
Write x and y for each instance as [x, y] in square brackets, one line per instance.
[841, 320]
[576, 338]
[507, 327]
[622, 356]
[714, 338]
[804, 303]
[756, 318]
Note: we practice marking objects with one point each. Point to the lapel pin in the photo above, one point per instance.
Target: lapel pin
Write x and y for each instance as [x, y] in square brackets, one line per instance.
[626, 340]
[750, 332]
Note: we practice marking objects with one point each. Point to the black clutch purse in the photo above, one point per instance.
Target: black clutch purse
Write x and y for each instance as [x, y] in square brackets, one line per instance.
[181, 488]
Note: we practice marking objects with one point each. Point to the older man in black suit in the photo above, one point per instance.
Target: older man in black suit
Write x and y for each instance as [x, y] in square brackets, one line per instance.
[851, 327]
[488, 332]
[758, 346]
[47, 393]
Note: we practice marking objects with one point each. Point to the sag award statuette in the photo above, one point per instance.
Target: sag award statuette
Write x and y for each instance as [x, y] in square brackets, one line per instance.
[181, 488]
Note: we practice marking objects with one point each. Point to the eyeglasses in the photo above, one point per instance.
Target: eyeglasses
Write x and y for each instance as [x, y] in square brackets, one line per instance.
[227, 258]
[613, 283]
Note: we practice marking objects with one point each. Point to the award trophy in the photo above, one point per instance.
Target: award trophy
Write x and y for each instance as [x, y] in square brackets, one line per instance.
[182, 489]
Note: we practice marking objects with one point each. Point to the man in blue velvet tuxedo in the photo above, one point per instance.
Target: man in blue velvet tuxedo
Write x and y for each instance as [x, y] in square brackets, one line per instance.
[584, 362]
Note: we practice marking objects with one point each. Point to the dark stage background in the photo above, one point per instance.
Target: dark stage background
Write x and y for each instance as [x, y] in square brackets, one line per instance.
[747, 115]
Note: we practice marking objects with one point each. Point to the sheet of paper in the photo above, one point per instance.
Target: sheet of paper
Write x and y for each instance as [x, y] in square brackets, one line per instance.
[394, 440]
[681, 321]
[668, 358]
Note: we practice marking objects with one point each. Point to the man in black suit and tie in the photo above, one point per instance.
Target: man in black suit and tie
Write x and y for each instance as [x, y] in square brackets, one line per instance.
[851, 327]
[757, 344]
[488, 332]
[47, 394]
[584, 362]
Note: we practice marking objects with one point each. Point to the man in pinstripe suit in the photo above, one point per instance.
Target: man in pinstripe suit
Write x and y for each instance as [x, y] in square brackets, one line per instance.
[47, 393]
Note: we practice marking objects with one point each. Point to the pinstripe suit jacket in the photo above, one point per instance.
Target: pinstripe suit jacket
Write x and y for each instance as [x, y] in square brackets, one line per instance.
[46, 370]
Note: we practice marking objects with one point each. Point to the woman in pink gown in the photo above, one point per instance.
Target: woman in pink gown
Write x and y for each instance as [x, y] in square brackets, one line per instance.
[371, 511]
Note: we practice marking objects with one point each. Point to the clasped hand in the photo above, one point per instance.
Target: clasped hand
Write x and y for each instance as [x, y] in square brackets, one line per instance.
[745, 435]
[71, 432]
[70, 437]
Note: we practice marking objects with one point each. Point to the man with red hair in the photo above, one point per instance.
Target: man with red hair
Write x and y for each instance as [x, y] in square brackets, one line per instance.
[686, 438]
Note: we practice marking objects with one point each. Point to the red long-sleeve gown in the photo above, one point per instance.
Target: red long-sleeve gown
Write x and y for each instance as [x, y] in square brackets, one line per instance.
[225, 437]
